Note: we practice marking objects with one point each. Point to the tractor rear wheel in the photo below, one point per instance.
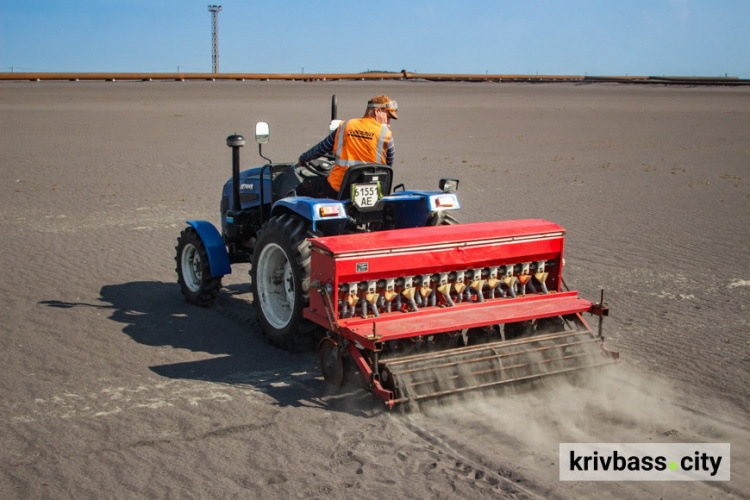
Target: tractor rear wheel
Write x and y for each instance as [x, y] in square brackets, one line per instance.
[280, 282]
[194, 271]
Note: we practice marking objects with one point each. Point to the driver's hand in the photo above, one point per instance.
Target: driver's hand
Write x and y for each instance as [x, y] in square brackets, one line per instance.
[301, 163]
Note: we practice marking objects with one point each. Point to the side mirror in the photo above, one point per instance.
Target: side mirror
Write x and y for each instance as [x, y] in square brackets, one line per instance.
[334, 125]
[448, 185]
[262, 132]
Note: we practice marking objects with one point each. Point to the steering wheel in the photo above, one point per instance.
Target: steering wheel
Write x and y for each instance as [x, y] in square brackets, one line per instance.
[320, 168]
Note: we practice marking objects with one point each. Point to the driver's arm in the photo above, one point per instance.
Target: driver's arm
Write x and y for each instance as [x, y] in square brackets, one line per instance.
[322, 148]
[390, 153]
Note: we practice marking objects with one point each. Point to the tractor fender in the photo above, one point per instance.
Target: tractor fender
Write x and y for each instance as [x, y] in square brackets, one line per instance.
[309, 208]
[416, 208]
[218, 258]
[430, 198]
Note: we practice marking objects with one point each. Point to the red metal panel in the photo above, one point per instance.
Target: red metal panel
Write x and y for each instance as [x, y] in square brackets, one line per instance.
[434, 320]
[322, 269]
[410, 252]
[409, 238]
[445, 259]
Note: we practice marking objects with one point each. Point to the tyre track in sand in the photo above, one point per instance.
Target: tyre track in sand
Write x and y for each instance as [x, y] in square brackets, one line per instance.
[501, 480]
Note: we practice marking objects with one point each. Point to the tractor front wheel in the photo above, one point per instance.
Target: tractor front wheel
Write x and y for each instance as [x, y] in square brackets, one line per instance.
[193, 270]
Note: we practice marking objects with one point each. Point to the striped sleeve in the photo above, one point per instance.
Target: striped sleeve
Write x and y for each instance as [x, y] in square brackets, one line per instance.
[322, 148]
[390, 152]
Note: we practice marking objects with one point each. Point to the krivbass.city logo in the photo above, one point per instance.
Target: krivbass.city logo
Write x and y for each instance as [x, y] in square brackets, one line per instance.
[644, 462]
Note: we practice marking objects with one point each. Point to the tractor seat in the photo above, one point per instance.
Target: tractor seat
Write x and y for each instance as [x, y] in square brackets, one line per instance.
[367, 173]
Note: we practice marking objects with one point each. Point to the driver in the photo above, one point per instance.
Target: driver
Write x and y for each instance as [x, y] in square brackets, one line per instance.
[356, 141]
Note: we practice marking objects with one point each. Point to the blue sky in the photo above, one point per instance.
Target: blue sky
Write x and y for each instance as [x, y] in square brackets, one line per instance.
[563, 37]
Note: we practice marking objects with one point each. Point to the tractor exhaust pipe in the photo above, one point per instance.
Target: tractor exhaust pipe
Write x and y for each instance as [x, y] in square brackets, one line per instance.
[235, 142]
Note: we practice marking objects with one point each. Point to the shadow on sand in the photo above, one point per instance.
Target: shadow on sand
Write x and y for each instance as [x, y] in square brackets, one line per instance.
[155, 314]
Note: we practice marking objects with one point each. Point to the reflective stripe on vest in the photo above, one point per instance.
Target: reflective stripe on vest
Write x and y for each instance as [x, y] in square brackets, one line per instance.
[340, 140]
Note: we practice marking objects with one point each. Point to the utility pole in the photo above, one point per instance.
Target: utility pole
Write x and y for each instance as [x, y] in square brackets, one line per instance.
[214, 10]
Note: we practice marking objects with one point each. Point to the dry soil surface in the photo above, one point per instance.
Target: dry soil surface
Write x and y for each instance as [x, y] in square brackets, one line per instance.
[113, 386]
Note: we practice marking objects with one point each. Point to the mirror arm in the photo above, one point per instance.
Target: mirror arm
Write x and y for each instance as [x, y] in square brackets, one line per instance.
[260, 152]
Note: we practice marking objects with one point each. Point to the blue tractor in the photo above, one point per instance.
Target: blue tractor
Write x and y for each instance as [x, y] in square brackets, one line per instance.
[264, 222]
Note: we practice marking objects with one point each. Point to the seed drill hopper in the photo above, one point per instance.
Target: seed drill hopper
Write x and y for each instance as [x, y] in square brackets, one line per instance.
[433, 311]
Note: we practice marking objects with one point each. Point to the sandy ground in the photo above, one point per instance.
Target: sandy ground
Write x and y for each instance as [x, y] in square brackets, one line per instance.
[113, 386]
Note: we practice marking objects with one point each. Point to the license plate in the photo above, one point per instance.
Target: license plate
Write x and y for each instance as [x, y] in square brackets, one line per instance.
[365, 195]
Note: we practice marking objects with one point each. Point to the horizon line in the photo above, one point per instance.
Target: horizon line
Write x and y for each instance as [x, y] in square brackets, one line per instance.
[369, 75]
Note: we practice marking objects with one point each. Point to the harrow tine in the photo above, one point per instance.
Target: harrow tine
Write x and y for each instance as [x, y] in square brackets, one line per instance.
[504, 368]
[495, 356]
[506, 343]
[430, 375]
[494, 383]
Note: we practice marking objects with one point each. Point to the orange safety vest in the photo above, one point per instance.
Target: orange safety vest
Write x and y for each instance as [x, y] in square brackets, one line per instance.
[358, 141]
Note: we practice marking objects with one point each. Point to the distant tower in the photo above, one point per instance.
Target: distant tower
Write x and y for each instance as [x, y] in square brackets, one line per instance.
[214, 10]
